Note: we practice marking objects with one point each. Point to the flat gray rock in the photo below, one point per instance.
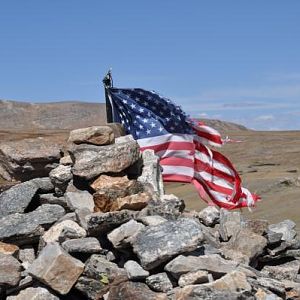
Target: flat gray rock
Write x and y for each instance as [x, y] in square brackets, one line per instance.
[213, 263]
[60, 177]
[34, 293]
[51, 199]
[157, 244]
[17, 198]
[44, 184]
[97, 223]
[194, 277]
[91, 161]
[25, 228]
[209, 215]
[80, 200]
[84, 245]
[134, 271]
[10, 270]
[56, 268]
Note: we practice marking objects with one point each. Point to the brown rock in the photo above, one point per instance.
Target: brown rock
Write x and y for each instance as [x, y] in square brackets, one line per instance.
[95, 135]
[109, 189]
[234, 281]
[134, 291]
[9, 249]
[193, 278]
[257, 226]
[56, 268]
[10, 270]
[132, 202]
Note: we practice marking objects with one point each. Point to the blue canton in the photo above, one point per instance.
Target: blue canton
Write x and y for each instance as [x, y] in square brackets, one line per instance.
[146, 114]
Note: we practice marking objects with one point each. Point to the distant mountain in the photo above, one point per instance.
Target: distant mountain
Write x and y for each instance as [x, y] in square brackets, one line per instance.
[67, 115]
[56, 115]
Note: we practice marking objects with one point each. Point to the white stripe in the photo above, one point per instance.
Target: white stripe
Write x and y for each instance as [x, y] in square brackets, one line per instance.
[213, 163]
[208, 129]
[161, 139]
[176, 170]
[175, 153]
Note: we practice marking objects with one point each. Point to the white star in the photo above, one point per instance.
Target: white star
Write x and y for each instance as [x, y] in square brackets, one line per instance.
[168, 119]
[160, 129]
[137, 133]
[149, 97]
[138, 117]
[172, 128]
[141, 110]
[132, 106]
[152, 125]
[146, 103]
[145, 120]
[141, 126]
[124, 101]
[148, 131]
[141, 93]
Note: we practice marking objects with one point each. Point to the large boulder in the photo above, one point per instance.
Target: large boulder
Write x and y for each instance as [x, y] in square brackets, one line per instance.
[34, 293]
[28, 158]
[91, 161]
[157, 244]
[10, 270]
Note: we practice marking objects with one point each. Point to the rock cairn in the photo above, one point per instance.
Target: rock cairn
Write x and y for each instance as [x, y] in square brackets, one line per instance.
[99, 226]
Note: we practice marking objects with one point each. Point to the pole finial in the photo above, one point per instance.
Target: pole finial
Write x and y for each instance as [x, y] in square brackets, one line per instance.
[107, 80]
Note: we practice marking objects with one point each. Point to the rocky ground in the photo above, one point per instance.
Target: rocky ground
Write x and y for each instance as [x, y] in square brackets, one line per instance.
[90, 220]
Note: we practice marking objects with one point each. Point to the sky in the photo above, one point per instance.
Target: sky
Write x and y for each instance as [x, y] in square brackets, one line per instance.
[233, 60]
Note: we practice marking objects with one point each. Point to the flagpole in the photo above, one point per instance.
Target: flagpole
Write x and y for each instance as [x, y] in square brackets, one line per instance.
[108, 83]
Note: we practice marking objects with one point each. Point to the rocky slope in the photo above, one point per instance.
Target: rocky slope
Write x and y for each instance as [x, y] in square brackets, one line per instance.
[99, 226]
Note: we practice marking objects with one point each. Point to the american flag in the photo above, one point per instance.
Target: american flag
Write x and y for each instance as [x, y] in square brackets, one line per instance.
[182, 145]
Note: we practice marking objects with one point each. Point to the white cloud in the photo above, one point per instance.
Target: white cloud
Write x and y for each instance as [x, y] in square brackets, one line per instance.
[265, 118]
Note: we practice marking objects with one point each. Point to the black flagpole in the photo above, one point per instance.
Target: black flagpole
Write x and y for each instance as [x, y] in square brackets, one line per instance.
[108, 83]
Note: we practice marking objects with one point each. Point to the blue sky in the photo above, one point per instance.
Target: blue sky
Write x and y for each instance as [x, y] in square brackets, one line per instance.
[234, 60]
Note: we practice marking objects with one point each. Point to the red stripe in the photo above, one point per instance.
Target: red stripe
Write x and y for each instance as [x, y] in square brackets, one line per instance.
[209, 136]
[202, 166]
[177, 161]
[171, 146]
[175, 177]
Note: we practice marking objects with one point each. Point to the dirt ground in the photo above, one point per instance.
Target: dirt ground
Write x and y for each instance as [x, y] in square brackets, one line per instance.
[268, 162]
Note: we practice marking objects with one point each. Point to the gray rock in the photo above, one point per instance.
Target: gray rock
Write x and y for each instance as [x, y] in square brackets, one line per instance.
[10, 270]
[152, 220]
[44, 184]
[259, 227]
[230, 224]
[91, 161]
[273, 237]
[99, 275]
[34, 293]
[209, 216]
[194, 277]
[98, 223]
[151, 172]
[27, 255]
[197, 292]
[95, 135]
[84, 245]
[286, 271]
[81, 215]
[134, 290]
[159, 282]
[272, 285]
[169, 207]
[25, 228]
[56, 268]
[246, 243]
[30, 159]
[124, 139]
[122, 236]
[134, 271]
[60, 177]
[286, 228]
[68, 216]
[62, 231]
[66, 161]
[80, 200]
[51, 199]
[213, 263]
[156, 244]
[17, 198]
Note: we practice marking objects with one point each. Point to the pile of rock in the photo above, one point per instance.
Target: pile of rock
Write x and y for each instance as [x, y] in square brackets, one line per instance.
[100, 227]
